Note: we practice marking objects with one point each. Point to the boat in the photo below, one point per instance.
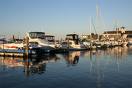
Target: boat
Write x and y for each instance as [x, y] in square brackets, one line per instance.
[129, 37]
[38, 41]
[52, 41]
[14, 45]
[129, 43]
[72, 42]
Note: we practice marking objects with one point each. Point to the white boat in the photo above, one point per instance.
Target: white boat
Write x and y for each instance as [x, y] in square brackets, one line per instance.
[51, 40]
[72, 42]
[129, 37]
[11, 46]
[37, 40]
[124, 43]
[129, 43]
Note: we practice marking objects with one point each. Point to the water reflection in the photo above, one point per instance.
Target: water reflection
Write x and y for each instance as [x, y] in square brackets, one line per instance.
[72, 58]
[111, 55]
[11, 62]
[115, 53]
[96, 69]
[36, 65]
[100, 60]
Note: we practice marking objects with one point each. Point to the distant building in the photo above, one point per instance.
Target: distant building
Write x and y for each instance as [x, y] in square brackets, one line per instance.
[84, 36]
[119, 33]
[90, 37]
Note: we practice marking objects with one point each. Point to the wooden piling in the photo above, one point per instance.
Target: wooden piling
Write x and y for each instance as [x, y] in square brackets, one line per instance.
[26, 47]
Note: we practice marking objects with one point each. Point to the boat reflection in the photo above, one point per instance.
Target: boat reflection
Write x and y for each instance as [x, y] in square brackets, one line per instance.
[115, 53]
[31, 66]
[37, 65]
[9, 62]
[72, 58]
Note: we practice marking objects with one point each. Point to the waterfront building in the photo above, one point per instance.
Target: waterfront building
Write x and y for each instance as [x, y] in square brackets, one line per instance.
[120, 35]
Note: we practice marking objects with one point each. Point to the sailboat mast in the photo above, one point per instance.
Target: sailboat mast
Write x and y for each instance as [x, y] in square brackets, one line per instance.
[90, 27]
[97, 23]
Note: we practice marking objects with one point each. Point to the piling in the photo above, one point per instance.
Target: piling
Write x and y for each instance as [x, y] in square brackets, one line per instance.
[26, 47]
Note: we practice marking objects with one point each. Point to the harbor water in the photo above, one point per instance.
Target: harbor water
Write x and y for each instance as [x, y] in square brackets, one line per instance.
[111, 68]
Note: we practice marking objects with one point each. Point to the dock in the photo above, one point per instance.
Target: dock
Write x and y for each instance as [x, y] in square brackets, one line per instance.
[7, 54]
[30, 53]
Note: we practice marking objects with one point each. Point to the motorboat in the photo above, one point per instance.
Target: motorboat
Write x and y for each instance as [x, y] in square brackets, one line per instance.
[72, 42]
[37, 40]
[15, 45]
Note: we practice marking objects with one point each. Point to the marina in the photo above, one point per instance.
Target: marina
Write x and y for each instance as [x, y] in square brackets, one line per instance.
[38, 43]
[65, 44]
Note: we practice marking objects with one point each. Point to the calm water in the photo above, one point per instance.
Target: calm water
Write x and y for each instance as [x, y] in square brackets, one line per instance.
[111, 68]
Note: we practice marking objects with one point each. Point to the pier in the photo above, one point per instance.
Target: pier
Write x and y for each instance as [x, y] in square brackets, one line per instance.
[7, 54]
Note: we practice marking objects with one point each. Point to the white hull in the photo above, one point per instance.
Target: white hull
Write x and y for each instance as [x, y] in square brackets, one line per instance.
[124, 43]
[11, 46]
[73, 46]
[130, 42]
[38, 41]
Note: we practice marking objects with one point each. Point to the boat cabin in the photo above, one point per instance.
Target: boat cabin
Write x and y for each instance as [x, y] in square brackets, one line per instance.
[2, 40]
[34, 35]
[73, 37]
[50, 38]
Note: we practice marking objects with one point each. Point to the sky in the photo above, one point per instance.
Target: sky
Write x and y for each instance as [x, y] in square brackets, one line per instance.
[60, 17]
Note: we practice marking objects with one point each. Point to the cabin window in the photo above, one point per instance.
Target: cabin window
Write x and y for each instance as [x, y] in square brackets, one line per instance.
[76, 37]
[70, 43]
[50, 38]
[33, 43]
[129, 36]
[37, 35]
[64, 43]
[69, 37]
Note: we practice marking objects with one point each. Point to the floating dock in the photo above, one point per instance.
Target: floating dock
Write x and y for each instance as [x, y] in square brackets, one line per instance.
[14, 53]
[30, 53]
[11, 54]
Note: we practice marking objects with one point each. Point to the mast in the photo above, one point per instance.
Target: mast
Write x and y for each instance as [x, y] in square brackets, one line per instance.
[100, 24]
[90, 28]
[98, 18]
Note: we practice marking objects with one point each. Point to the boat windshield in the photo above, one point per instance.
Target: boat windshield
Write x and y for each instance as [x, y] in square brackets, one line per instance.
[50, 38]
[37, 35]
[71, 37]
[129, 36]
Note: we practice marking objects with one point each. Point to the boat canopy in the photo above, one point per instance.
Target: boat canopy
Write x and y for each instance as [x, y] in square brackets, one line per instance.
[37, 35]
[72, 37]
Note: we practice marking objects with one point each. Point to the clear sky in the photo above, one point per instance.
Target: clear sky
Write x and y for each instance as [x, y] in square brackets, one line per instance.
[59, 17]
